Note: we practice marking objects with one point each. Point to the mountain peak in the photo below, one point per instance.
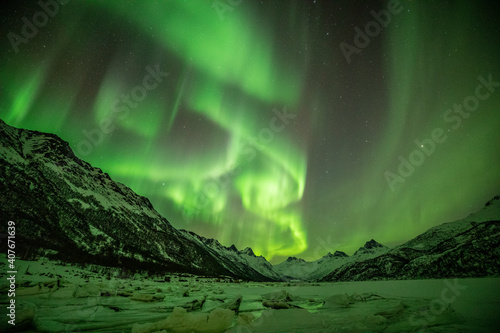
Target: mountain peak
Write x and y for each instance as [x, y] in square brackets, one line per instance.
[372, 244]
[340, 254]
[248, 251]
[371, 247]
[291, 259]
[337, 254]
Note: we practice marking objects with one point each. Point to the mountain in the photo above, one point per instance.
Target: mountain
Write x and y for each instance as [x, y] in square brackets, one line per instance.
[465, 248]
[260, 264]
[469, 247]
[299, 269]
[293, 268]
[68, 210]
[440, 233]
[243, 263]
[371, 248]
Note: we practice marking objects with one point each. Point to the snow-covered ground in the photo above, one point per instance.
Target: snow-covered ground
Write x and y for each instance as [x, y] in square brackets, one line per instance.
[63, 298]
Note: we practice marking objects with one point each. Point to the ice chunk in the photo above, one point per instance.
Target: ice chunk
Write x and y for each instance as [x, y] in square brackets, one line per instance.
[159, 296]
[276, 305]
[180, 321]
[81, 293]
[245, 319]
[233, 304]
[273, 321]
[63, 293]
[281, 295]
[143, 297]
[338, 300]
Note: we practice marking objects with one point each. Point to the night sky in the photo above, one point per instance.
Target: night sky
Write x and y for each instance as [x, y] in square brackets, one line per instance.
[271, 124]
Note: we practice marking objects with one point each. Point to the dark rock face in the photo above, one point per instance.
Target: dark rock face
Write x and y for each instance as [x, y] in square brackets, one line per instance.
[372, 244]
[371, 247]
[340, 254]
[249, 252]
[64, 206]
[294, 259]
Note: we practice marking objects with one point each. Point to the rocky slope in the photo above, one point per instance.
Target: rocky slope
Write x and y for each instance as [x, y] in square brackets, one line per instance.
[371, 248]
[244, 263]
[66, 209]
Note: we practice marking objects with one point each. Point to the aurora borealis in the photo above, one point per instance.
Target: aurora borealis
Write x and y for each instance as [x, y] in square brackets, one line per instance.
[243, 121]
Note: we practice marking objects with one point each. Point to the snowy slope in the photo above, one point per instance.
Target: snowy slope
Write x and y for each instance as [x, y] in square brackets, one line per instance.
[260, 264]
[371, 249]
[435, 235]
[241, 263]
[299, 269]
[295, 268]
[326, 264]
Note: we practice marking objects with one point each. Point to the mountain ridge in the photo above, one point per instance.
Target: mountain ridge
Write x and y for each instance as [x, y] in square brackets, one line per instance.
[469, 247]
[72, 211]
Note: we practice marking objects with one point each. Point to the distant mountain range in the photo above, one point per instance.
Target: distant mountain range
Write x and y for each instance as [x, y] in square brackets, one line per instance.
[295, 268]
[68, 210]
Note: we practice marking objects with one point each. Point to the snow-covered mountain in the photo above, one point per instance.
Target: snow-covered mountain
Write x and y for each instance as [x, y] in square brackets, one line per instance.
[299, 269]
[294, 268]
[440, 233]
[260, 264]
[469, 247]
[245, 262]
[66, 209]
[371, 249]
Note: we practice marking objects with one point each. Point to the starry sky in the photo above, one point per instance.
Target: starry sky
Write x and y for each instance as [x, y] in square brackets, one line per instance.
[294, 127]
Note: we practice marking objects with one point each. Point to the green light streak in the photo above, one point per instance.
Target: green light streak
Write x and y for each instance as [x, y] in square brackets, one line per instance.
[25, 96]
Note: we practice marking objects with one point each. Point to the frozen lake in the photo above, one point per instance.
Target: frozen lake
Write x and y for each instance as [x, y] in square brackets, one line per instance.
[63, 298]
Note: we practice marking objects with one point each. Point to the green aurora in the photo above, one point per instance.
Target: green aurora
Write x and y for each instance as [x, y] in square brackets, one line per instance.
[244, 122]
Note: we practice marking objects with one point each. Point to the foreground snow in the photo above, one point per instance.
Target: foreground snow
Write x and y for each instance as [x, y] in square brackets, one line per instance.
[58, 298]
